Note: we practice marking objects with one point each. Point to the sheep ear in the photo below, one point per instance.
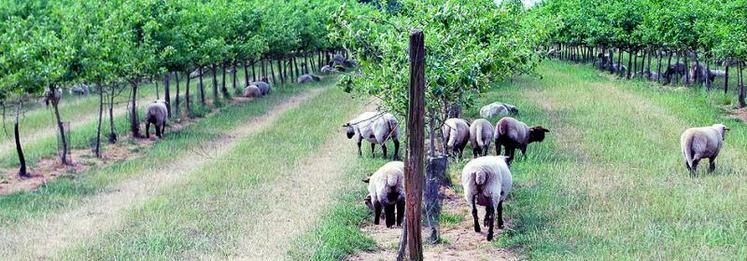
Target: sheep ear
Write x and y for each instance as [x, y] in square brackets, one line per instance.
[366, 180]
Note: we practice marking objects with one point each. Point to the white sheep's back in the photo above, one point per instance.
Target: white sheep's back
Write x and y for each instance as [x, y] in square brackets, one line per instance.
[513, 129]
[384, 128]
[378, 184]
[497, 174]
[706, 140]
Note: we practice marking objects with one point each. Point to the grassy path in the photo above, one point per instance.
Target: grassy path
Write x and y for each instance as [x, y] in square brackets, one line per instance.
[101, 212]
[611, 183]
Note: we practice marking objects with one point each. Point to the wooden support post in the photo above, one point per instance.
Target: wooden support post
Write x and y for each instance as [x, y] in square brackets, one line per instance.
[414, 171]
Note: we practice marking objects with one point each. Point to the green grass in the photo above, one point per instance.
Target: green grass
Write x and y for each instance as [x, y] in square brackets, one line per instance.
[610, 183]
[68, 191]
[206, 214]
[337, 234]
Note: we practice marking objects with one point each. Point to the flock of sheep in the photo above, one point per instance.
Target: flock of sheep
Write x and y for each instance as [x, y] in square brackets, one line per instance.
[486, 180]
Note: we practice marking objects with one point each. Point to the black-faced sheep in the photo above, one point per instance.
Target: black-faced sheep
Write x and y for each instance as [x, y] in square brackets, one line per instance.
[376, 128]
[386, 191]
[264, 87]
[486, 182]
[513, 134]
[252, 91]
[702, 143]
[456, 135]
[498, 109]
[156, 114]
[481, 134]
[307, 78]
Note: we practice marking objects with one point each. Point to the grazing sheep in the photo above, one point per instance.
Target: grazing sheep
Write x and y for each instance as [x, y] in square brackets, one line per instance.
[698, 74]
[52, 97]
[156, 114]
[386, 190]
[80, 90]
[513, 134]
[702, 143]
[307, 78]
[498, 109]
[481, 134]
[376, 128]
[263, 86]
[456, 135]
[329, 69]
[680, 69]
[486, 182]
[252, 91]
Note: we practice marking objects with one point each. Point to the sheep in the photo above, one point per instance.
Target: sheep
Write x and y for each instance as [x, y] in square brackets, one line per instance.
[307, 78]
[156, 114]
[252, 91]
[456, 134]
[80, 90]
[328, 69]
[263, 86]
[52, 97]
[680, 69]
[512, 134]
[486, 182]
[386, 190]
[498, 109]
[376, 128]
[481, 134]
[702, 143]
[196, 73]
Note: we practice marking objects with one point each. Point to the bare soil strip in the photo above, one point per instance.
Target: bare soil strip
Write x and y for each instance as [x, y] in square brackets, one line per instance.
[44, 238]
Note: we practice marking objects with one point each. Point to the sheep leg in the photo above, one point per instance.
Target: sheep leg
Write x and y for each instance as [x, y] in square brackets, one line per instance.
[147, 127]
[377, 212]
[360, 153]
[695, 165]
[711, 164]
[400, 211]
[485, 150]
[383, 148]
[500, 214]
[373, 149]
[158, 131]
[389, 213]
[476, 151]
[396, 149]
[489, 219]
[497, 148]
[474, 214]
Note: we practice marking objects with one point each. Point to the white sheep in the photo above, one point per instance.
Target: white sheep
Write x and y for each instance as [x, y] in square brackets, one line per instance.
[307, 78]
[327, 69]
[486, 182]
[81, 89]
[386, 190]
[498, 109]
[252, 91]
[513, 134]
[456, 134]
[376, 128]
[481, 134]
[263, 86]
[156, 114]
[702, 143]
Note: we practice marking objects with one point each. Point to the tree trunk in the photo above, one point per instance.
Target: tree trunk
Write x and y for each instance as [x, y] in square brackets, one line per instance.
[22, 170]
[187, 98]
[726, 79]
[687, 70]
[415, 145]
[435, 178]
[262, 67]
[215, 84]
[246, 73]
[272, 72]
[630, 63]
[742, 93]
[97, 150]
[619, 62]
[134, 120]
[112, 131]
[254, 72]
[233, 78]
[202, 89]
[280, 69]
[60, 127]
[611, 60]
[176, 104]
[223, 88]
[166, 92]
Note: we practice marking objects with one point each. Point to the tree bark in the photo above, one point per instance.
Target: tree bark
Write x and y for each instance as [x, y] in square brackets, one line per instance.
[97, 150]
[272, 72]
[254, 73]
[619, 62]
[742, 93]
[415, 145]
[22, 170]
[134, 120]
[60, 127]
[246, 73]
[112, 130]
[223, 88]
[280, 69]
[187, 98]
[235, 84]
[166, 92]
[202, 89]
[726, 79]
[176, 104]
[630, 63]
[215, 84]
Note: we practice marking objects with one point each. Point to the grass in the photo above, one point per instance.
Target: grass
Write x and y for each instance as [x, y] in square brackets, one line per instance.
[207, 213]
[609, 183]
[68, 191]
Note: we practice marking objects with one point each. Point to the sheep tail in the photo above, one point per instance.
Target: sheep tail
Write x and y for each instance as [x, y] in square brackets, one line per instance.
[392, 180]
[479, 138]
[480, 177]
[687, 150]
[452, 136]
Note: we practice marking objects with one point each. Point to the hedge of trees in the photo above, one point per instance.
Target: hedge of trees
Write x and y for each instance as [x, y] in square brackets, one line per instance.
[693, 31]
[116, 46]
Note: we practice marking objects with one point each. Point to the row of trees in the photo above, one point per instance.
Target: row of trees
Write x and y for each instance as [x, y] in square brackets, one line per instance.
[469, 46]
[115, 46]
[695, 30]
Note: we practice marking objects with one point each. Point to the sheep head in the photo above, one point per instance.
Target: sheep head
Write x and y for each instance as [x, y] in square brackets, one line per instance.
[350, 132]
[721, 129]
[537, 133]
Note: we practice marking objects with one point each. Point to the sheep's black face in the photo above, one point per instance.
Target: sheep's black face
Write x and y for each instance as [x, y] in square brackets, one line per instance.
[350, 132]
[537, 134]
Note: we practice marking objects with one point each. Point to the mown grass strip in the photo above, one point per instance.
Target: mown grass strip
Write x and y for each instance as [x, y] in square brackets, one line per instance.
[67, 191]
[200, 217]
